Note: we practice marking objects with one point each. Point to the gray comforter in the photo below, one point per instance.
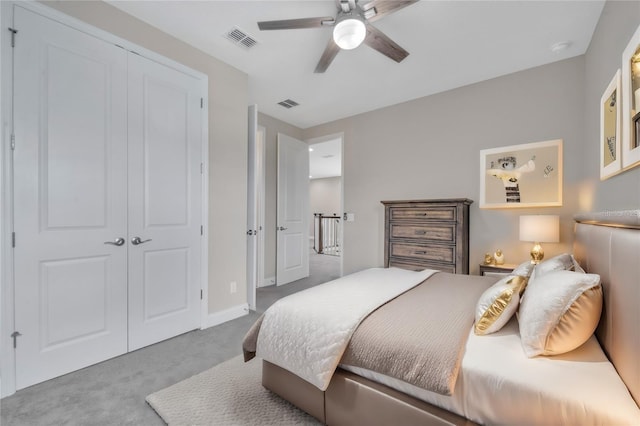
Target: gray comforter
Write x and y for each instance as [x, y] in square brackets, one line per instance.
[418, 337]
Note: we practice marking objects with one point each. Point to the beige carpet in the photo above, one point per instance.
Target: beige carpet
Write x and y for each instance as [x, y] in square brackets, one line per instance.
[227, 394]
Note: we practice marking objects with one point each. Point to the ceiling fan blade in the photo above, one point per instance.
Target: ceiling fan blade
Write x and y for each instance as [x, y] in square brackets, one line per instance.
[292, 24]
[383, 8]
[327, 57]
[383, 44]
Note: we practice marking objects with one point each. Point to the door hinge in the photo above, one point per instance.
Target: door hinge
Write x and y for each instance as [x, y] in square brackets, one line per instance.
[201, 168]
[201, 230]
[13, 239]
[14, 336]
[13, 32]
[13, 141]
[201, 103]
[201, 294]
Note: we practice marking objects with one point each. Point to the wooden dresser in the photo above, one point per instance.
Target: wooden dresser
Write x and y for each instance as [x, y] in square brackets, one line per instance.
[423, 234]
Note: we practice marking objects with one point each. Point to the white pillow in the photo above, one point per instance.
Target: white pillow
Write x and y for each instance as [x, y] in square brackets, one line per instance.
[561, 311]
[498, 303]
[561, 262]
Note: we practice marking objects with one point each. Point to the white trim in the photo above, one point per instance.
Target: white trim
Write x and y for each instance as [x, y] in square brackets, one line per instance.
[225, 315]
[204, 259]
[268, 281]
[262, 138]
[7, 354]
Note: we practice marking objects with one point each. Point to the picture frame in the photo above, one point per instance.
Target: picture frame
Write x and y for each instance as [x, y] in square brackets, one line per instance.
[630, 143]
[526, 175]
[610, 129]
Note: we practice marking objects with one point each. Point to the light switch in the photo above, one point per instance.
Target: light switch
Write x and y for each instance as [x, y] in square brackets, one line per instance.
[351, 217]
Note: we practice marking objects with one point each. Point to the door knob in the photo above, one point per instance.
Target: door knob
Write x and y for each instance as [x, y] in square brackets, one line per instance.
[281, 228]
[116, 242]
[137, 241]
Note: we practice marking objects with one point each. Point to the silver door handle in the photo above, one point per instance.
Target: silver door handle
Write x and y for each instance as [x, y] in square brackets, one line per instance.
[136, 241]
[281, 228]
[116, 242]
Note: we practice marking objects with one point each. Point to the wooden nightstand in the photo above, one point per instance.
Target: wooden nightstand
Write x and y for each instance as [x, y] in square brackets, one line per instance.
[496, 269]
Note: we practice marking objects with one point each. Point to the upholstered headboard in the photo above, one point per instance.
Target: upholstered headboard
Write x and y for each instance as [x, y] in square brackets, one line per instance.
[608, 244]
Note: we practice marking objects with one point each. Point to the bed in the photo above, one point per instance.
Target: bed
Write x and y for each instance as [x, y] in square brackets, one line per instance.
[597, 383]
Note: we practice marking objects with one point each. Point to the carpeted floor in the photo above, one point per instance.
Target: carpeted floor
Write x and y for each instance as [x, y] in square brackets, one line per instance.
[228, 394]
[113, 392]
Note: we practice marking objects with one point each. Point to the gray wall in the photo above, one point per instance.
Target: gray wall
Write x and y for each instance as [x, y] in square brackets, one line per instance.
[228, 100]
[429, 148]
[617, 24]
[273, 127]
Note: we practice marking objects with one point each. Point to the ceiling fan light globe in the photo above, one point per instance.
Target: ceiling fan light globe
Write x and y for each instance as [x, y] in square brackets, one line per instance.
[349, 33]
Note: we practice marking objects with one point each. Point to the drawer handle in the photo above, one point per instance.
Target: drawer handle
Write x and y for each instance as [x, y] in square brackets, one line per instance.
[420, 252]
[421, 232]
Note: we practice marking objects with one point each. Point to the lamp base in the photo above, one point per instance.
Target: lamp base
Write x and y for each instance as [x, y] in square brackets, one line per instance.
[537, 254]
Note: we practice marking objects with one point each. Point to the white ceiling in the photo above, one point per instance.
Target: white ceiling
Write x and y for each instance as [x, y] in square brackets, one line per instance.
[325, 159]
[451, 44]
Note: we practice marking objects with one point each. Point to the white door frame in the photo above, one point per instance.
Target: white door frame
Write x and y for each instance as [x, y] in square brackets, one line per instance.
[262, 190]
[256, 178]
[326, 138]
[7, 354]
[256, 186]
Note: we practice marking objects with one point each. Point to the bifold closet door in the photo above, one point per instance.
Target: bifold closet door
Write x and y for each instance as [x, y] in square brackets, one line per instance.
[70, 168]
[165, 187]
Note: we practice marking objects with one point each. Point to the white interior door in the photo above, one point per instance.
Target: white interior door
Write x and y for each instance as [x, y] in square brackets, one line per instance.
[165, 181]
[70, 199]
[292, 258]
[252, 208]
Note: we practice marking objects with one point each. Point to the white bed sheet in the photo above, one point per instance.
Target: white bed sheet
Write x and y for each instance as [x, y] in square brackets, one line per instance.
[498, 385]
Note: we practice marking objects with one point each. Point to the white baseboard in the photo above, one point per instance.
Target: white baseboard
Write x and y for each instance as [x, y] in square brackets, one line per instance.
[229, 314]
[267, 282]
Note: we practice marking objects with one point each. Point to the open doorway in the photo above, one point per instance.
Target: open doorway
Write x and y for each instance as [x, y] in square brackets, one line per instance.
[325, 200]
[322, 267]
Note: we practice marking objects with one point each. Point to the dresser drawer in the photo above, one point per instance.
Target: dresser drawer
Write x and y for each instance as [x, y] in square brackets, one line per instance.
[423, 213]
[442, 233]
[419, 266]
[444, 254]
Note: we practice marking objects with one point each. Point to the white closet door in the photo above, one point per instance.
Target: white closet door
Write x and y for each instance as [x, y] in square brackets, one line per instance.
[165, 134]
[70, 198]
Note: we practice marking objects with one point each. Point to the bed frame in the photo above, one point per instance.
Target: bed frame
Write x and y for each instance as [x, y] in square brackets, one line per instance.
[607, 244]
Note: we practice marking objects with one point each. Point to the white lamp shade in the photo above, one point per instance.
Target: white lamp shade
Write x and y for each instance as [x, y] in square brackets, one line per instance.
[349, 33]
[540, 228]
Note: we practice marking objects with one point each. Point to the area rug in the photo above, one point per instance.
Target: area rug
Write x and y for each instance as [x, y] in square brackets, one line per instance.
[231, 394]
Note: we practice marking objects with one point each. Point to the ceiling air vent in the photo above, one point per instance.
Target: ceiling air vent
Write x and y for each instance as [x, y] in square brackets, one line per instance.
[241, 38]
[288, 103]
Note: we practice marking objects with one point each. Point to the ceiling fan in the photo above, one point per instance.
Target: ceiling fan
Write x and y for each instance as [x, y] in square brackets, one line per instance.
[351, 27]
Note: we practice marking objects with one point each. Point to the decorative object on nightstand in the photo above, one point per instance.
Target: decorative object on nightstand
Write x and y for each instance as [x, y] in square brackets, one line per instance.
[499, 257]
[539, 229]
[488, 259]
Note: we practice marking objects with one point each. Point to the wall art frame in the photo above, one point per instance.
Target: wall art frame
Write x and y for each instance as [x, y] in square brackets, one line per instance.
[526, 175]
[610, 129]
[630, 144]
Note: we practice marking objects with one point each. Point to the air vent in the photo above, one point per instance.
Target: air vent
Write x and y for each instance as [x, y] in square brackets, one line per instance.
[241, 38]
[288, 103]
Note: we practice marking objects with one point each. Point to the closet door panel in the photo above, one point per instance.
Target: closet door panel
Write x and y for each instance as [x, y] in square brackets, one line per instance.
[165, 135]
[70, 198]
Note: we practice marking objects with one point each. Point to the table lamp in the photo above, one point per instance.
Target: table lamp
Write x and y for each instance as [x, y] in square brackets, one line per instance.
[539, 229]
